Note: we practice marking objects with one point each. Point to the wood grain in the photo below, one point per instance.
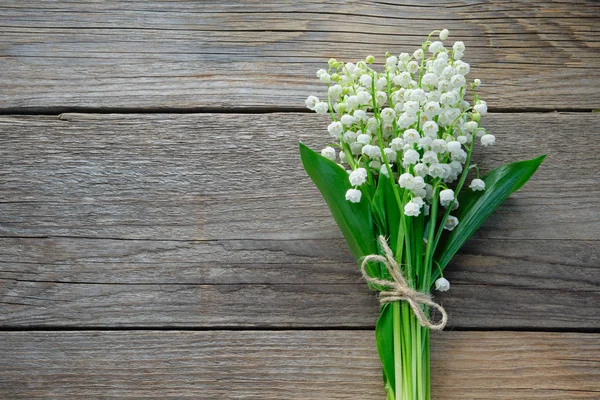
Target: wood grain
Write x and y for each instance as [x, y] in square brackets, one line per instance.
[298, 283]
[289, 364]
[239, 176]
[208, 223]
[209, 220]
[263, 54]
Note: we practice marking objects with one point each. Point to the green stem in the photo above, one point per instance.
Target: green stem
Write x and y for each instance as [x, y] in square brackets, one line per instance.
[426, 364]
[349, 155]
[330, 105]
[415, 352]
[406, 331]
[405, 226]
[426, 284]
[410, 343]
[397, 348]
[457, 191]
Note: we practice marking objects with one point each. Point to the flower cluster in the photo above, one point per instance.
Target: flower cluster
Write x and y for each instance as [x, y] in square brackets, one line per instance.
[411, 123]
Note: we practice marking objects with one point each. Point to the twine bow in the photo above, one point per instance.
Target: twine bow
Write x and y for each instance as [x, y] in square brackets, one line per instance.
[399, 290]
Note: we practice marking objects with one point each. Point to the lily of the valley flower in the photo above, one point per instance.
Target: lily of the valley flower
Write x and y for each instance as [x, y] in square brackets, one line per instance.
[353, 195]
[442, 285]
[477, 184]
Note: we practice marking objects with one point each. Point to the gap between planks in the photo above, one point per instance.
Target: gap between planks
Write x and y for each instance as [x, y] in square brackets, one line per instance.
[58, 111]
[161, 328]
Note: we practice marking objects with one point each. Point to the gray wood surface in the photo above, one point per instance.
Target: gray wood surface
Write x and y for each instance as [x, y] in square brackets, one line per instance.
[230, 176]
[184, 220]
[264, 54]
[171, 256]
[289, 364]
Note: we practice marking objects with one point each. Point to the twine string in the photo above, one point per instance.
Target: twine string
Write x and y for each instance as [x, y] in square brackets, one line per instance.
[399, 289]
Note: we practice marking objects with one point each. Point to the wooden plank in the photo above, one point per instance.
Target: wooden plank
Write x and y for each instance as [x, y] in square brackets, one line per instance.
[234, 176]
[189, 55]
[296, 283]
[289, 364]
[177, 220]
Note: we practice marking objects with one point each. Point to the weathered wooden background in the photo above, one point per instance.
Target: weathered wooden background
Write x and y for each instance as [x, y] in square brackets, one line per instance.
[159, 238]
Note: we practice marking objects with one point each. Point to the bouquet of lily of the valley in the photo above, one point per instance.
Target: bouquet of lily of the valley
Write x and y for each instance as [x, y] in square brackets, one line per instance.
[395, 180]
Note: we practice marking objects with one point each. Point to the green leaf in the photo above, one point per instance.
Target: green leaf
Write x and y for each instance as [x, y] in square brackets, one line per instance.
[475, 207]
[354, 219]
[386, 211]
[384, 335]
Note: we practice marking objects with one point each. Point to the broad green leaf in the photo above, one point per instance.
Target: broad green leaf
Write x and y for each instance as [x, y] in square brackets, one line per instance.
[354, 219]
[384, 335]
[475, 207]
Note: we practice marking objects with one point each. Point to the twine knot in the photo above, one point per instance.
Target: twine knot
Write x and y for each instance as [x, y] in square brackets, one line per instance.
[399, 290]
